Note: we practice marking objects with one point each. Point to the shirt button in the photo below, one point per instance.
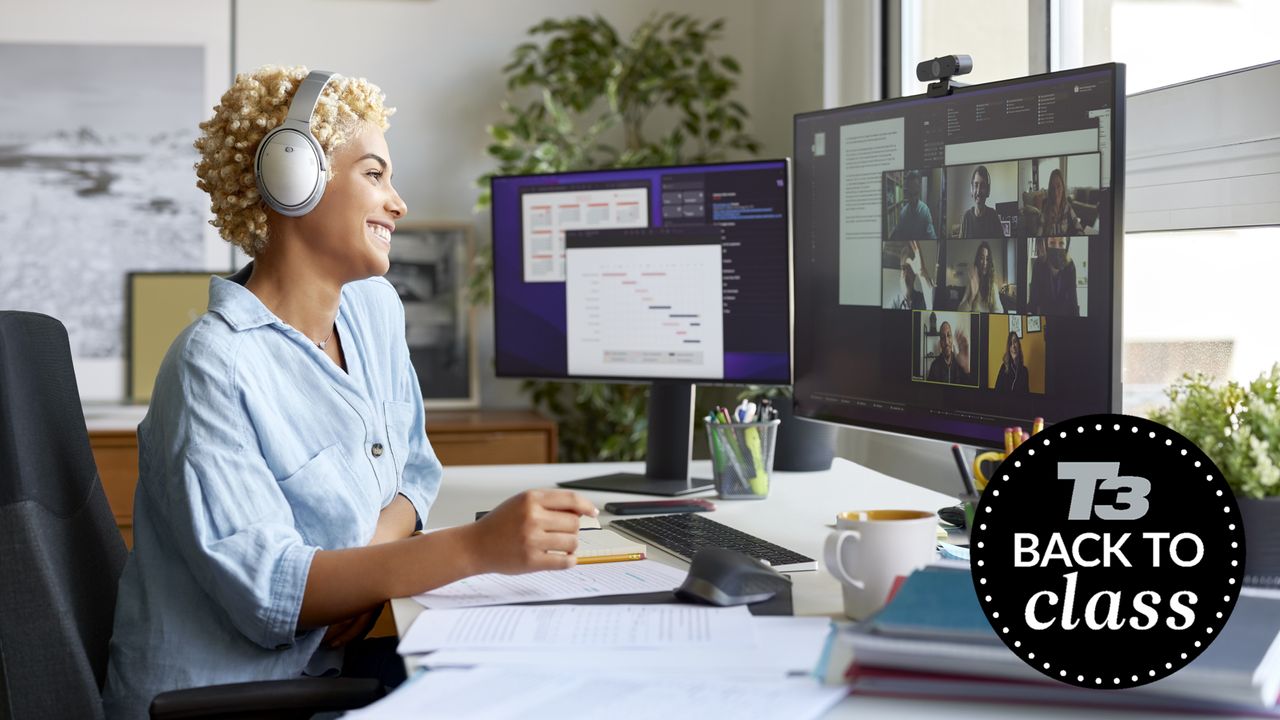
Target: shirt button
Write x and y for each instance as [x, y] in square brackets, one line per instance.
[376, 449]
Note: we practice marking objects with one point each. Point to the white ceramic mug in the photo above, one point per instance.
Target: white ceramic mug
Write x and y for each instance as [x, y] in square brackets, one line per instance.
[870, 548]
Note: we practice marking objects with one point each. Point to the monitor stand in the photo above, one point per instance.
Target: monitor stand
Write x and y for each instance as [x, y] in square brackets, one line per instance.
[669, 450]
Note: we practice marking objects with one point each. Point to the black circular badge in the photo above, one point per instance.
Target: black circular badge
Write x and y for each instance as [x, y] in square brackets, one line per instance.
[1107, 552]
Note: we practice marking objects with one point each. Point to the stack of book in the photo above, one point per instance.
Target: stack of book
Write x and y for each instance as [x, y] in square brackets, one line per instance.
[932, 640]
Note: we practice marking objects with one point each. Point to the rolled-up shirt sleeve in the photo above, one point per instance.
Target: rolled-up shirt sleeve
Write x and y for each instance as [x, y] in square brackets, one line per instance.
[222, 506]
[235, 530]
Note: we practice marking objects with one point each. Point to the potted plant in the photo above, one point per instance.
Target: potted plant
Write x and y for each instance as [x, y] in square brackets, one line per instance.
[580, 98]
[1238, 427]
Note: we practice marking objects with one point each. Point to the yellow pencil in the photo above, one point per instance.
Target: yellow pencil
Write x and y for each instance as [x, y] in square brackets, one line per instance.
[610, 558]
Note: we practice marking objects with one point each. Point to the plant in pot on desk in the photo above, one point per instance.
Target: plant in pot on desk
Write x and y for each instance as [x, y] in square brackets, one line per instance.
[1238, 426]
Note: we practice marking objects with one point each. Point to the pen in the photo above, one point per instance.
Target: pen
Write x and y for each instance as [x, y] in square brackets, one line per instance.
[610, 558]
[964, 471]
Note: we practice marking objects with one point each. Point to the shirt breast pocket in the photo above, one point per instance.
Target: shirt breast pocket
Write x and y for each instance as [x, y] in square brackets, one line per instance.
[327, 511]
[400, 429]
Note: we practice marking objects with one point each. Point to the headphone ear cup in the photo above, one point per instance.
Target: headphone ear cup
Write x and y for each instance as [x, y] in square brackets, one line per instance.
[290, 171]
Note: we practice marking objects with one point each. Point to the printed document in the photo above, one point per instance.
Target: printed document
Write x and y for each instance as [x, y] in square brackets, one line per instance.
[616, 578]
[787, 647]
[580, 626]
[528, 694]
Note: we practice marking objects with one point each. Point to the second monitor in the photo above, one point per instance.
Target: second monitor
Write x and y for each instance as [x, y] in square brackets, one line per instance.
[667, 275]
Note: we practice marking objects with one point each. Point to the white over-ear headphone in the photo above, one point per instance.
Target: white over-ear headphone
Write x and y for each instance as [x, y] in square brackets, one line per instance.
[289, 164]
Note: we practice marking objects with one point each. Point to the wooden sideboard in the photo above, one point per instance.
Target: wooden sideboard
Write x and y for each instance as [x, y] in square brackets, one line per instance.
[459, 437]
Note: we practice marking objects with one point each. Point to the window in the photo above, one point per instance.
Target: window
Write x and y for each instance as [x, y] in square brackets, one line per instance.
[1163, 42]
[1192, 298]
[931, 28]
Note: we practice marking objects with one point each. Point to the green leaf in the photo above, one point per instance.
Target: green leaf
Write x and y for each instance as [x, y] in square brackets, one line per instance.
[730, 64]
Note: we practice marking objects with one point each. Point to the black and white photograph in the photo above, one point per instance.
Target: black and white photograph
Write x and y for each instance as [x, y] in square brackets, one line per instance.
[429, 265]
[97, 182]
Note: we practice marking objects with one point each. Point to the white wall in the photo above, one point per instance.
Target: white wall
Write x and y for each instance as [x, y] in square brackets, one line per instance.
[440, 64]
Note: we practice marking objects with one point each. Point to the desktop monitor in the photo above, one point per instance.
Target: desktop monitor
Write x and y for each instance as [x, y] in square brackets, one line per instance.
[957, 259]
[665, 275]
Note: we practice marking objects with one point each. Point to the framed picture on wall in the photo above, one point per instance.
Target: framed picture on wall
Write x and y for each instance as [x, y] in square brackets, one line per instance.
[160, 306]
[429, 266]
[96, 159]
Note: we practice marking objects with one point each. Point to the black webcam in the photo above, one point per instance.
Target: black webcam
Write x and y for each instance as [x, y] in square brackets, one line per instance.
[939, 71]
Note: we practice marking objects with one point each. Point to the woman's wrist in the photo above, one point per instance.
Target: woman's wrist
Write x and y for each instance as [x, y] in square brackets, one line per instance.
[467, 550]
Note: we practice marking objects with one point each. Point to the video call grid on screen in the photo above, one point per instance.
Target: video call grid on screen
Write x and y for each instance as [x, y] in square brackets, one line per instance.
[595, 274]
[892, 193]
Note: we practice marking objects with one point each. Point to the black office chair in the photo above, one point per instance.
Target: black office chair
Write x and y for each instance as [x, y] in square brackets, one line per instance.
[61, 556]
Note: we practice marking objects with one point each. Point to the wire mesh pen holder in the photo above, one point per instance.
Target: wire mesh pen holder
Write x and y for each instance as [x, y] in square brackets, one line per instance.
[742, 458]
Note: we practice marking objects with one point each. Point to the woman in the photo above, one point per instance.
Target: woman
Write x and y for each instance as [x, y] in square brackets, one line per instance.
[1058, 216]
[1013, 373]
[980, 295]
[283, 465]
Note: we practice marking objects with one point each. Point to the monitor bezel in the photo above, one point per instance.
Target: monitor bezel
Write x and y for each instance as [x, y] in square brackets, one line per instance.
[636, 379]
[1114, 389]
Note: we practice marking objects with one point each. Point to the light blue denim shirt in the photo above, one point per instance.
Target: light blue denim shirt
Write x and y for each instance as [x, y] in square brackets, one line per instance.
[256, 452]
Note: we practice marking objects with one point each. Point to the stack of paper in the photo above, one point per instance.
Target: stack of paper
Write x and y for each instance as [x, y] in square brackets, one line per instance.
[571, 627]
[932, 640]
[584, 581]
[530, 694]
[666, 660]
[785, 647]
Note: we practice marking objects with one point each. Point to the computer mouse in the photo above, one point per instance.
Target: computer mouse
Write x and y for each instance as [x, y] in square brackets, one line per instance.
[719, 576]
[953, 516]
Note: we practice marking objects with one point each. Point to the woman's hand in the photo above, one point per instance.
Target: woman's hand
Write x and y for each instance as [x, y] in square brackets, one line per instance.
[535, 530]
[914, 261]
[351, 629]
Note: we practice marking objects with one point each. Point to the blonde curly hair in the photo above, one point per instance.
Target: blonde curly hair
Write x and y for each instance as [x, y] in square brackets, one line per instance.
[256, 103]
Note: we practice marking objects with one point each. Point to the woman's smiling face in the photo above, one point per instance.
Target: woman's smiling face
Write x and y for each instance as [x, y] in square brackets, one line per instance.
[352, 225]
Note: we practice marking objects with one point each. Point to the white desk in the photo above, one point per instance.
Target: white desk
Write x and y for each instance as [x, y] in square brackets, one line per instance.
[797, 515]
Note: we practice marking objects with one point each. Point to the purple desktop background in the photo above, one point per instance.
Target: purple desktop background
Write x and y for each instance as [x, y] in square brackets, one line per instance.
[530, 324]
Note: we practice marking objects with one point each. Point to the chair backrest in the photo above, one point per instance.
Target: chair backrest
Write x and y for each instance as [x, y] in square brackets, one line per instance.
[61, 554]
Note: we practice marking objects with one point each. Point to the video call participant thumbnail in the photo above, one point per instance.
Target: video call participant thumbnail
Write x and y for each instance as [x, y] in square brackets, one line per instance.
[913, 204]
[977, 275]
[1062, 196]
[943, 339]
[1058, 285]
[907, 275]
[1016, 353]
[974, 193]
